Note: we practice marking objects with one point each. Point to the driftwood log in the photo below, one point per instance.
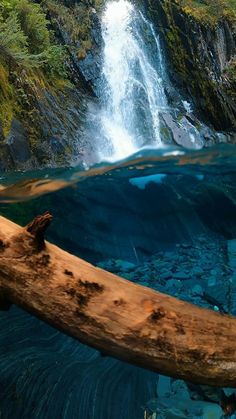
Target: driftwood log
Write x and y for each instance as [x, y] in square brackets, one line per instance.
[133, 323]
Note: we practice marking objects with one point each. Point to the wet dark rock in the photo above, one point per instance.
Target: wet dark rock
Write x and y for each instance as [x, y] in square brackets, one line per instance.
[47, 128]
[165, 275]
[198, 271]
[50, 134]
[231, 245]
[233, 295]
[180, 275]
[182, 133]
[84, 53]
[197, 290]
[17, 141]
[199, 61]
[6, 161]
[231, 251]
[1, 133]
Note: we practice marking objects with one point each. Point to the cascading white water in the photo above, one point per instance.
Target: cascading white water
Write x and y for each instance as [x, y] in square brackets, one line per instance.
[132, 90]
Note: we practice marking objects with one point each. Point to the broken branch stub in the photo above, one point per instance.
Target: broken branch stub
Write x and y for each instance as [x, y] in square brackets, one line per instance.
[37, 229]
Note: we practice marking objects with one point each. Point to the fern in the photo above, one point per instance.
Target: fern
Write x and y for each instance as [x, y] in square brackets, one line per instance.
[14, 44]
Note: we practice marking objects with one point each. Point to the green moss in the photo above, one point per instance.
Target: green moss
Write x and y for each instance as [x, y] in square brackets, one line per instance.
[209, 11]
[21, 82]
[6, 100]
[230, 77]
[76, 21]
[164, 131]
[230, 71]
[178, 53]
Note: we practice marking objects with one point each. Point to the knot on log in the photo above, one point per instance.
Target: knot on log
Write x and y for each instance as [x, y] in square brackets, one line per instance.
[37, 229]
[3, 245]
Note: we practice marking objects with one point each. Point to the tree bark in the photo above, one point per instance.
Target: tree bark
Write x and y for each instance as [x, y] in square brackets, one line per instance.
[122, 319]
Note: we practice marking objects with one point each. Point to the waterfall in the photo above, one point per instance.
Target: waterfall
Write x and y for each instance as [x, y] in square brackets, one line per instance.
[132, 88]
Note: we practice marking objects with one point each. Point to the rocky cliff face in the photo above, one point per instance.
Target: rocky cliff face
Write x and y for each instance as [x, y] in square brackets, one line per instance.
[41, 120]
[45, 126]
[77, 25]
[201, 53]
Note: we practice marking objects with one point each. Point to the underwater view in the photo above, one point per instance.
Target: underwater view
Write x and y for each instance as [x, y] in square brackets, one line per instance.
[117, 128]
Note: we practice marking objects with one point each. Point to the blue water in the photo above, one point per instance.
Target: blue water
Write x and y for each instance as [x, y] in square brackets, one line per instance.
[218, 160]
[165, 219]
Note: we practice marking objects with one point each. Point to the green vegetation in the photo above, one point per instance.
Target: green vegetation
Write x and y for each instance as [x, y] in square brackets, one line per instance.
[29, 59]
[76, 21]
[209, 11]
[230, 73]
[25, 39]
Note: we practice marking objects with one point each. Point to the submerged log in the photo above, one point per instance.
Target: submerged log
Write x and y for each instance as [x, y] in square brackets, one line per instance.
[133, 323]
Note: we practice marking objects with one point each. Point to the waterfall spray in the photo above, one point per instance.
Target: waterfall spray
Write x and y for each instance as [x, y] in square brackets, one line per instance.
[132, 89]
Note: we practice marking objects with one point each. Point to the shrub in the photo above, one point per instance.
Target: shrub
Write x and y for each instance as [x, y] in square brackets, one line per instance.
[13, 42]
[26, 39]
[34, 25]
[54, 63]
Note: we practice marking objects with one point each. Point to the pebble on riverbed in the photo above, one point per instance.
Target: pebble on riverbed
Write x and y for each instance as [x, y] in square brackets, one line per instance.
[186, 271]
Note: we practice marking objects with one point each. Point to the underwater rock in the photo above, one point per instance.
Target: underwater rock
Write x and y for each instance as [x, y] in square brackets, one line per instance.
[197, 290]
[198, 271]
[232, 254]
[166, 274]
[180, 275]
[184, 407]
[163, 386]
[232, 263]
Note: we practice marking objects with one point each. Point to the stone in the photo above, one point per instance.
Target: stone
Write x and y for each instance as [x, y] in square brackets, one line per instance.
[231, 247]
[178, 284]
[182, 132]
[180, 389]
[17, 141]
[233, 294]
[144, 283]
[219, 291]
[6, 161]
[197, 290]
[124, 265]
[180, 275]
[187, 408]
[212, 411]
[214, 272]
[172, 283]
[211, 282]
[175, 414]
[166, 275]
[153, 405]
[163, 386]
[197, 271]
